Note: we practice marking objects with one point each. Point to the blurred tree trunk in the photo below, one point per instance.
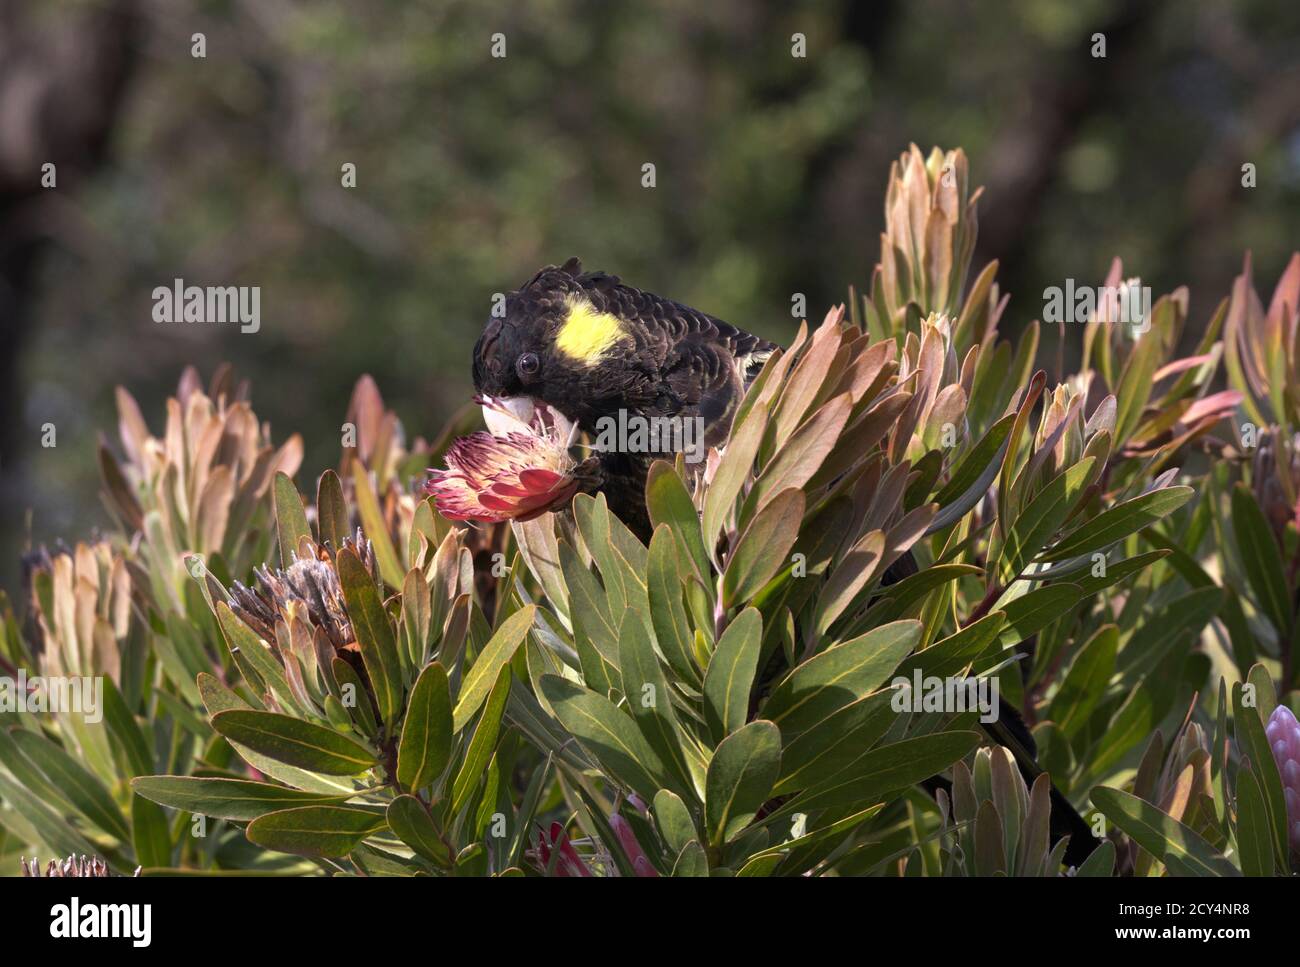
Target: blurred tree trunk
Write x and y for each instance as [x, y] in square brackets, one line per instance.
[62, 85]
[1066, 94]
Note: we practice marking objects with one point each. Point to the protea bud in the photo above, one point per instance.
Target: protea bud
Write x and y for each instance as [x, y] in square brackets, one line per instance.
[938, 406]
[1191, 747]
[929, 238]
[1283, 733]
[309, 586]
[1258, 345]
[517, 470]
[627, 839]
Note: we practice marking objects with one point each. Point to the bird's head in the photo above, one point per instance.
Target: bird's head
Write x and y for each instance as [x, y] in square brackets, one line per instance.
[555, 341]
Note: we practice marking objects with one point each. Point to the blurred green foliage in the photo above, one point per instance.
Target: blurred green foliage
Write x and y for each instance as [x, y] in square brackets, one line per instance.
[473, 171]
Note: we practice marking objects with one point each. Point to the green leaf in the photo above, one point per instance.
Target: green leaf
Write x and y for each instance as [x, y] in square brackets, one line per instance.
[412, 824]
[674, 821]
[331, 510]
[1265, 694]
[741, 774]
[897, 598]
[802, 853]
[664, 585]
[1159, 833]
[240, 800]
[1034, 611]
[1253, 742]
[960, 649]
[669, 502]
[352, 695]
[799, 457]
[425, 746]
[293, 741]
[78, 785]
[290, 518]
[322, 831]
[973, 476]
[606, 733]
[593, 629]
[648, 697]
[849, 577]
[1117, 523]
[152, 841]
[1135, 385]
[733, 469]
[839, 675]
[496, 654]
[597, 530]
[835, 743]
[1182, 620]
[990, 842]
[1006, 492]
[243, 641]
[730, 674]
[761, 865]
[50, 827]
[483, 744]
[763, 549]
[125, 731]
[691, 861]
[882, 771]
[1136, 719]
[372, 521]
[1043, 516]
[1117, 572]
[417, 621]
[28, 775]
[1086, 682]
[218, 698]
[472, 861]
[1254, 831]
[374, 634]
[1101, 862]
[1262, 561]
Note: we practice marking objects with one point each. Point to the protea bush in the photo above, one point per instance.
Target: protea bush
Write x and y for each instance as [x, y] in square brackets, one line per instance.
[483, 671]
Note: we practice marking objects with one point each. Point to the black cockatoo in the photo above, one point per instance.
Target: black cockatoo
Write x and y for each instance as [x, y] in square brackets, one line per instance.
[592, 348]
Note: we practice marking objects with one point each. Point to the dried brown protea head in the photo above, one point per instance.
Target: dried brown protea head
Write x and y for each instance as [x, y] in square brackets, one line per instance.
[71, 866]
[309, 585]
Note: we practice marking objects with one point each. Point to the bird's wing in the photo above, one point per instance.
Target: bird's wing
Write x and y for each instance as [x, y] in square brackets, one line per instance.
[688, 362]
[703, 379]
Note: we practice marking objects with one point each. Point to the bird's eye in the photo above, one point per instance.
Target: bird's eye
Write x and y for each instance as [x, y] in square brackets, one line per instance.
[528, 364]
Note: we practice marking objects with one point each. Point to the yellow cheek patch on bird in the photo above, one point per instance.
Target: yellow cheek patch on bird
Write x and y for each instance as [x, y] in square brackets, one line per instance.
[587, 335]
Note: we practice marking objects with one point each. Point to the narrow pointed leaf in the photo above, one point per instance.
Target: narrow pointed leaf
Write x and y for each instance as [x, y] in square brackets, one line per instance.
[425, 746]
[496, 654]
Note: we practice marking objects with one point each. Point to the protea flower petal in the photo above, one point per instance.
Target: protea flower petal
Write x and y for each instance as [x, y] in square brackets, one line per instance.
[506, 415]
[518, 470]
[568, 863]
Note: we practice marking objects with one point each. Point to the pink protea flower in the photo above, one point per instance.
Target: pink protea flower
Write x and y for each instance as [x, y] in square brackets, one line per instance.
[518, 469]
[568, 863]
[1283, 733]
